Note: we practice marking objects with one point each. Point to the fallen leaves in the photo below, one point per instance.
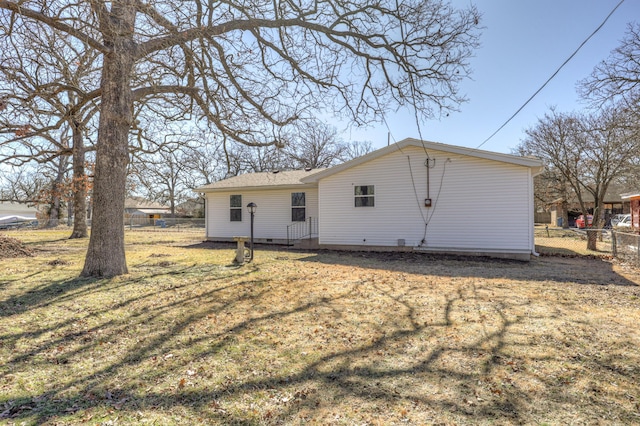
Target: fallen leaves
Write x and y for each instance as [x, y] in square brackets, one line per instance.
[12, 247]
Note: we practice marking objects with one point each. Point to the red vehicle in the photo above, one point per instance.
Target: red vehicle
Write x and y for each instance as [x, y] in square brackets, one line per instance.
[580, 221]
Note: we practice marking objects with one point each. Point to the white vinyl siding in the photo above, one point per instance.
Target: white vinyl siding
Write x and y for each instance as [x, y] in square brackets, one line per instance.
[272, 216]
[477, 204]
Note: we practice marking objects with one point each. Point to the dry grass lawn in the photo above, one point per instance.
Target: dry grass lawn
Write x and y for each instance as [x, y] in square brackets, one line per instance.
[314, 338]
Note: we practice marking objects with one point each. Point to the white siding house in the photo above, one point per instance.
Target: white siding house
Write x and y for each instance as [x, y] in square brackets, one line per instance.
[272, 193]
[465, 201]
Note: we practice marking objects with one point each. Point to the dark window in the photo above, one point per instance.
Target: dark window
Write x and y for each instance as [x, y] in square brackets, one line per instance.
[298, 204]
[235, 203]
[364, 196]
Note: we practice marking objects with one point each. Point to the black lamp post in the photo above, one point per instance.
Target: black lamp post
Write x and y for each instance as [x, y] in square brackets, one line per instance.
[252, 210]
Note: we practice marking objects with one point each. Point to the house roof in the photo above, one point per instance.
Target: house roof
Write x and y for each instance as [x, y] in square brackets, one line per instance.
[533, 163]
[10, 208]
[630, 195]
[615, 194]
[289, 178]
[141, 203]
[301, 178]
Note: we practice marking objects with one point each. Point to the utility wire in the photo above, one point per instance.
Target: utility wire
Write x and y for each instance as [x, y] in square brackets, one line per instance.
[553, 75]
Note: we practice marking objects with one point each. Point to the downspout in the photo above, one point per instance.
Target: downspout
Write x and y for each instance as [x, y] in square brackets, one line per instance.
[532, 213]
[206, 217]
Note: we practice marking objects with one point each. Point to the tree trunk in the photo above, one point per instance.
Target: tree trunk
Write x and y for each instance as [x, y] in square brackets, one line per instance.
[598, 220]
[56, 190]
[79, 185]
[54, 212]
[565, 215]
[69, 212]
[592, 240]
[106, 255]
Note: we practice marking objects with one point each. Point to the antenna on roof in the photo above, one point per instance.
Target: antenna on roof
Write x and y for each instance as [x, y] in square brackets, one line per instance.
[388, 138]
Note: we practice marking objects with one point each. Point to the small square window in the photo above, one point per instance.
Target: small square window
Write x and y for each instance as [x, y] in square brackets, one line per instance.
[298, 214]
[298, 199]
[235, 201]
[364, 195]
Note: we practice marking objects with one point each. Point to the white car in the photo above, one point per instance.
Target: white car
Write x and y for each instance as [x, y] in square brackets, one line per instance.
[617, 218]
[625, 221]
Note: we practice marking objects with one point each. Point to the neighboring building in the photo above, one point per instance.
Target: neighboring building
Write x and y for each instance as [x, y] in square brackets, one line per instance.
[565, 212]
[138, 211]
[411, 195]
[17, 214]
[192, 208]
[18, 209]
[634, 207]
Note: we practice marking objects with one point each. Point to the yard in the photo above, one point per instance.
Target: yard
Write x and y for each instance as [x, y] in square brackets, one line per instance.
[314, 337]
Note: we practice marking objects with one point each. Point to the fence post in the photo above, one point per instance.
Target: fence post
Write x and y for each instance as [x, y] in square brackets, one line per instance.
[614, 246]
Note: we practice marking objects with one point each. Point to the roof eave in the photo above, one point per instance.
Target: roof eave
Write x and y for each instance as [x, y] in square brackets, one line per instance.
[205, 190]
[533, 163]
[630, 195]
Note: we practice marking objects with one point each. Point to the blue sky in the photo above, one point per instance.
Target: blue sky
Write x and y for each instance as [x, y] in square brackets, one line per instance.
[523, 43]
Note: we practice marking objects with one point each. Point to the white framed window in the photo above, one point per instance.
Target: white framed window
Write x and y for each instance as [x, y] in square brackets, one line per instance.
[364, 195]
[235, 208]
[298, 207]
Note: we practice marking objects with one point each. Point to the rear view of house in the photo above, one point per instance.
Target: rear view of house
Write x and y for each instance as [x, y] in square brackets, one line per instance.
[286, 206]
[412, 195]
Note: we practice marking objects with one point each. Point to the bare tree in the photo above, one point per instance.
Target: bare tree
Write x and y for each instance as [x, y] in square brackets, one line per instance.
[252, 70]
[586, 153]
[549, 187]
[315, 145]
[617, 77]
[312, 144]
[163, 175]
[22, 184]
[355, 149]
[205, 163]
[247, 159]
[45, 105]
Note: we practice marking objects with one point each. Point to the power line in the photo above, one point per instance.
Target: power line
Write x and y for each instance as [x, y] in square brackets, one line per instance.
[553, 75]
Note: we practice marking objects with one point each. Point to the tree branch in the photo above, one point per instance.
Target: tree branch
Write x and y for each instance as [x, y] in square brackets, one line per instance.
[16, 7]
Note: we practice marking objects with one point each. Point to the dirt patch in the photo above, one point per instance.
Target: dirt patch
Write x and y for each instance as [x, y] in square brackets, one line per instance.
[12, 247]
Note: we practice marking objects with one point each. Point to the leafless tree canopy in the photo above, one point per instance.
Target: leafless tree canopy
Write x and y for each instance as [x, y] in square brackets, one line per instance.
[250, 69]
[259, 66]
[584, 154]
[49, 102]
[617, 77]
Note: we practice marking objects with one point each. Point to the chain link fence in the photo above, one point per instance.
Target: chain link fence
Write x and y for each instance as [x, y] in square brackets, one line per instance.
[572, 241]
[626, 247]
[173, 224]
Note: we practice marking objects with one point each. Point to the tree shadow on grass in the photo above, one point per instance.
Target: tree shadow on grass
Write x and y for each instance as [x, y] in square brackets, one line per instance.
[571, 269]
[48, 292]
[557, 266]
[245, 346]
